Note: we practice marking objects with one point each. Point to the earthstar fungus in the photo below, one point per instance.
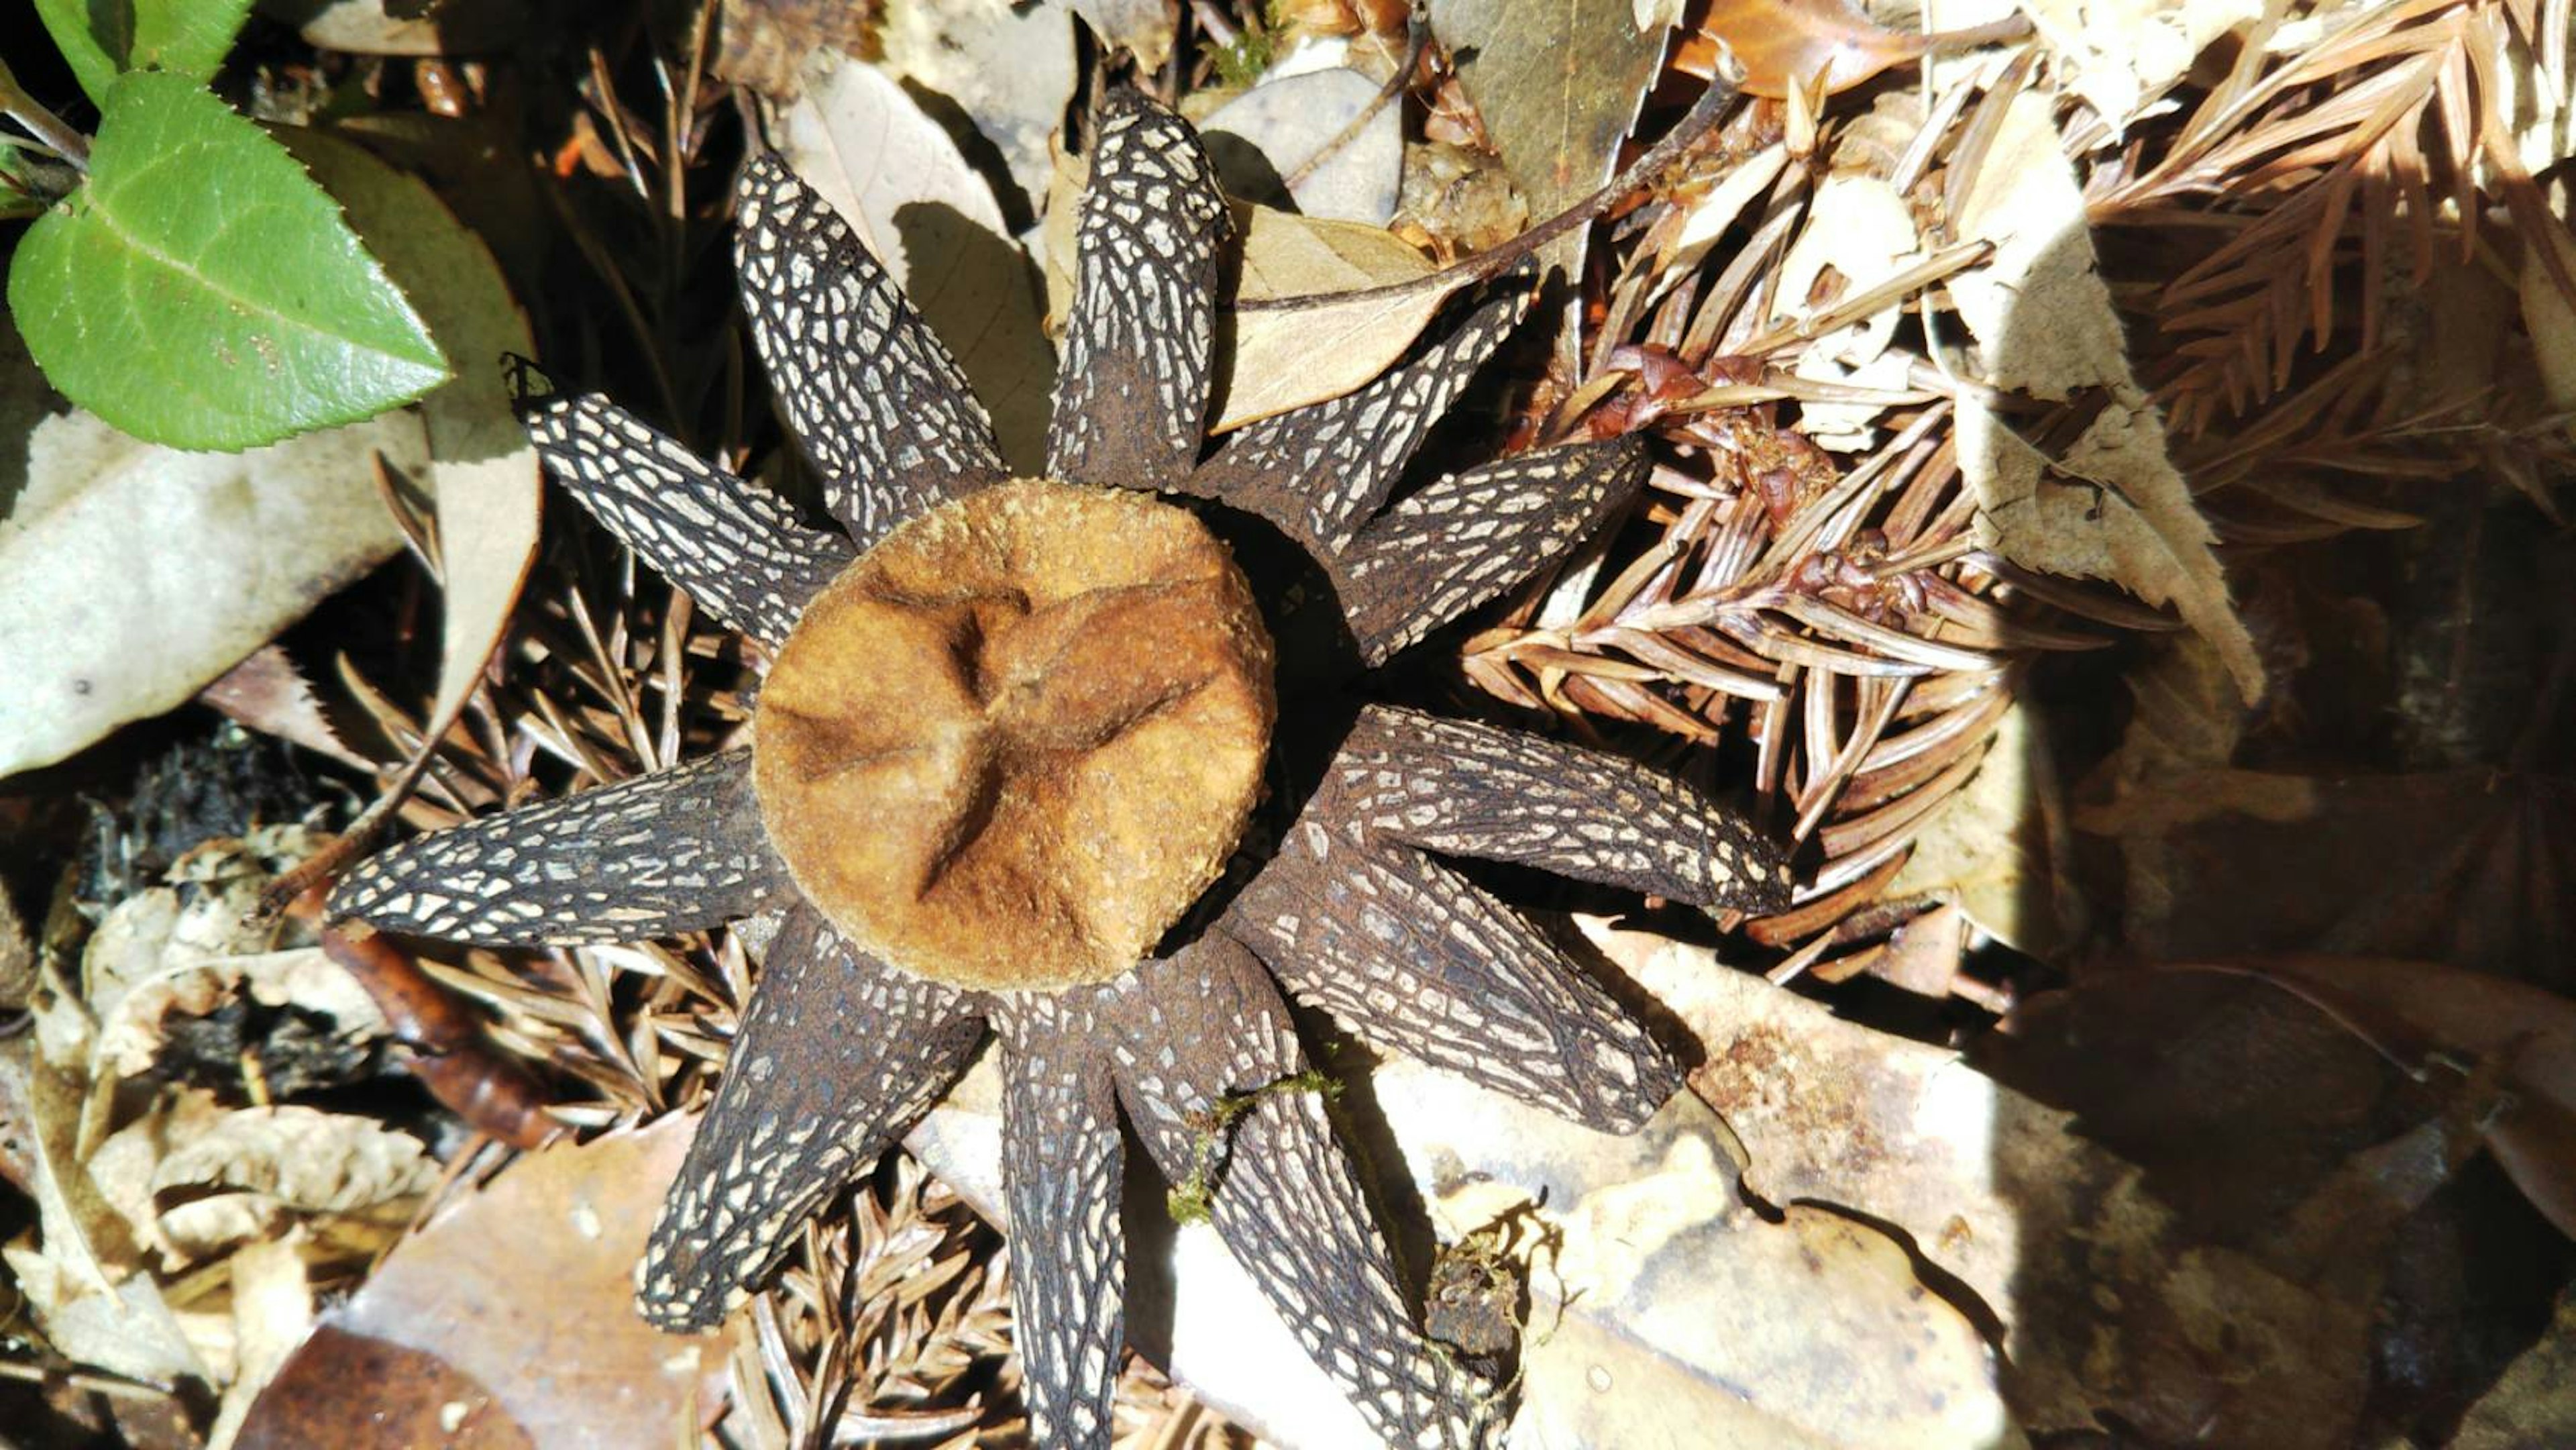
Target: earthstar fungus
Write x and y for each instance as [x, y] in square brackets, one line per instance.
[1006, 774]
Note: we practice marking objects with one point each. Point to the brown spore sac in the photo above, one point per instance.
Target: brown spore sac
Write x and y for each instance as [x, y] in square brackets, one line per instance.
[1012, 743]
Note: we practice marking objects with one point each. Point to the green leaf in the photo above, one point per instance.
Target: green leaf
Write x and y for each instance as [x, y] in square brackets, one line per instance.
[185, 37]
[99, 38]
[202, 292]
[93, 36]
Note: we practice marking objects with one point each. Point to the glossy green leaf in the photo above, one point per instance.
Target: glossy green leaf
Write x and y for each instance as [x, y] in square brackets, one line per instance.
[102, 37]
[202, 292]
[185, 37]
[93, 38]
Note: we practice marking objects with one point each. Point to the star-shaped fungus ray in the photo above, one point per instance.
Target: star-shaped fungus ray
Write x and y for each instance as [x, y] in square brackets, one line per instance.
[1467, 537]
[1322, 471]
[1355, 916]
[678, 850]
[881, 407]
[837, 1054]
[858, 1023]
[1131, 395]
[1204, 1028]
[733, 545]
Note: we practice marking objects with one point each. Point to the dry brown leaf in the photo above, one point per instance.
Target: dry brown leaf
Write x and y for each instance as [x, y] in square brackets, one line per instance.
[347, 1389]
[1320, 345]
[1999, 847]
[901, 184]
[452, 1310]
[2474, 1015]
[2118, 54]
[1558, 88]
[1824, 45]
[95, 632]
[2111, 505]
[2229, 1292]
[269, 694]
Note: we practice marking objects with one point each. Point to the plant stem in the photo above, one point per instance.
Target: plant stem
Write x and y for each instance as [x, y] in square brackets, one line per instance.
[42, 124]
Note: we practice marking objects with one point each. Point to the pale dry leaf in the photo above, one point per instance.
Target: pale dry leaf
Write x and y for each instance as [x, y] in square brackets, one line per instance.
[1685, 1317]
[1860, 229]
[2120, 54]
[2039, 308]
[1009, 68]
[1672, 1313]
[1708, 217]
[2551, 321]
[1146, 27]
[482, 467]
[82, 1277]
[573, 1365]
[1558, 88]
[393, 27]
[1999, 847]
[272, 1310]
[1830, 1111]
[17, 958]
[248, 1173]
[95, 632]
[2536, 100]
[2111, 505]
[1321, 344]
[2529, 1408]
[1275, 131]
[899, 181]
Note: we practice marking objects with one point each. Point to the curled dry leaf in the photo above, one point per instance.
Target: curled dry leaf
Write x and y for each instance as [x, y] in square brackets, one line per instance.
[482, 467]
[2111, 505]
[230, 1178]
[95, 633]
[1310, 343]
[82, 1277]
[2001, 846]
[898, 180]
[449, 1319]
[1275, 134]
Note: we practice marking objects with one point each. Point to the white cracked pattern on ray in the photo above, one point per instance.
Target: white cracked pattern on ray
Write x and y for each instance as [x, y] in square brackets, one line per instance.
[732, 544]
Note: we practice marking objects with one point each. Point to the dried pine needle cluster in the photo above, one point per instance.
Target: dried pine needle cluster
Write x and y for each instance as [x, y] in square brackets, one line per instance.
[1063, 711]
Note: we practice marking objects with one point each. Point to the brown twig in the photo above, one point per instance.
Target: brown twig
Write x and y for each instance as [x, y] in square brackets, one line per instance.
[488, 1088]
[1698, 122]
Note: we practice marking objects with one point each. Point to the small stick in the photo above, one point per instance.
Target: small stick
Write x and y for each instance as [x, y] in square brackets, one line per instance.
[42, 124]
[1698, 122]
